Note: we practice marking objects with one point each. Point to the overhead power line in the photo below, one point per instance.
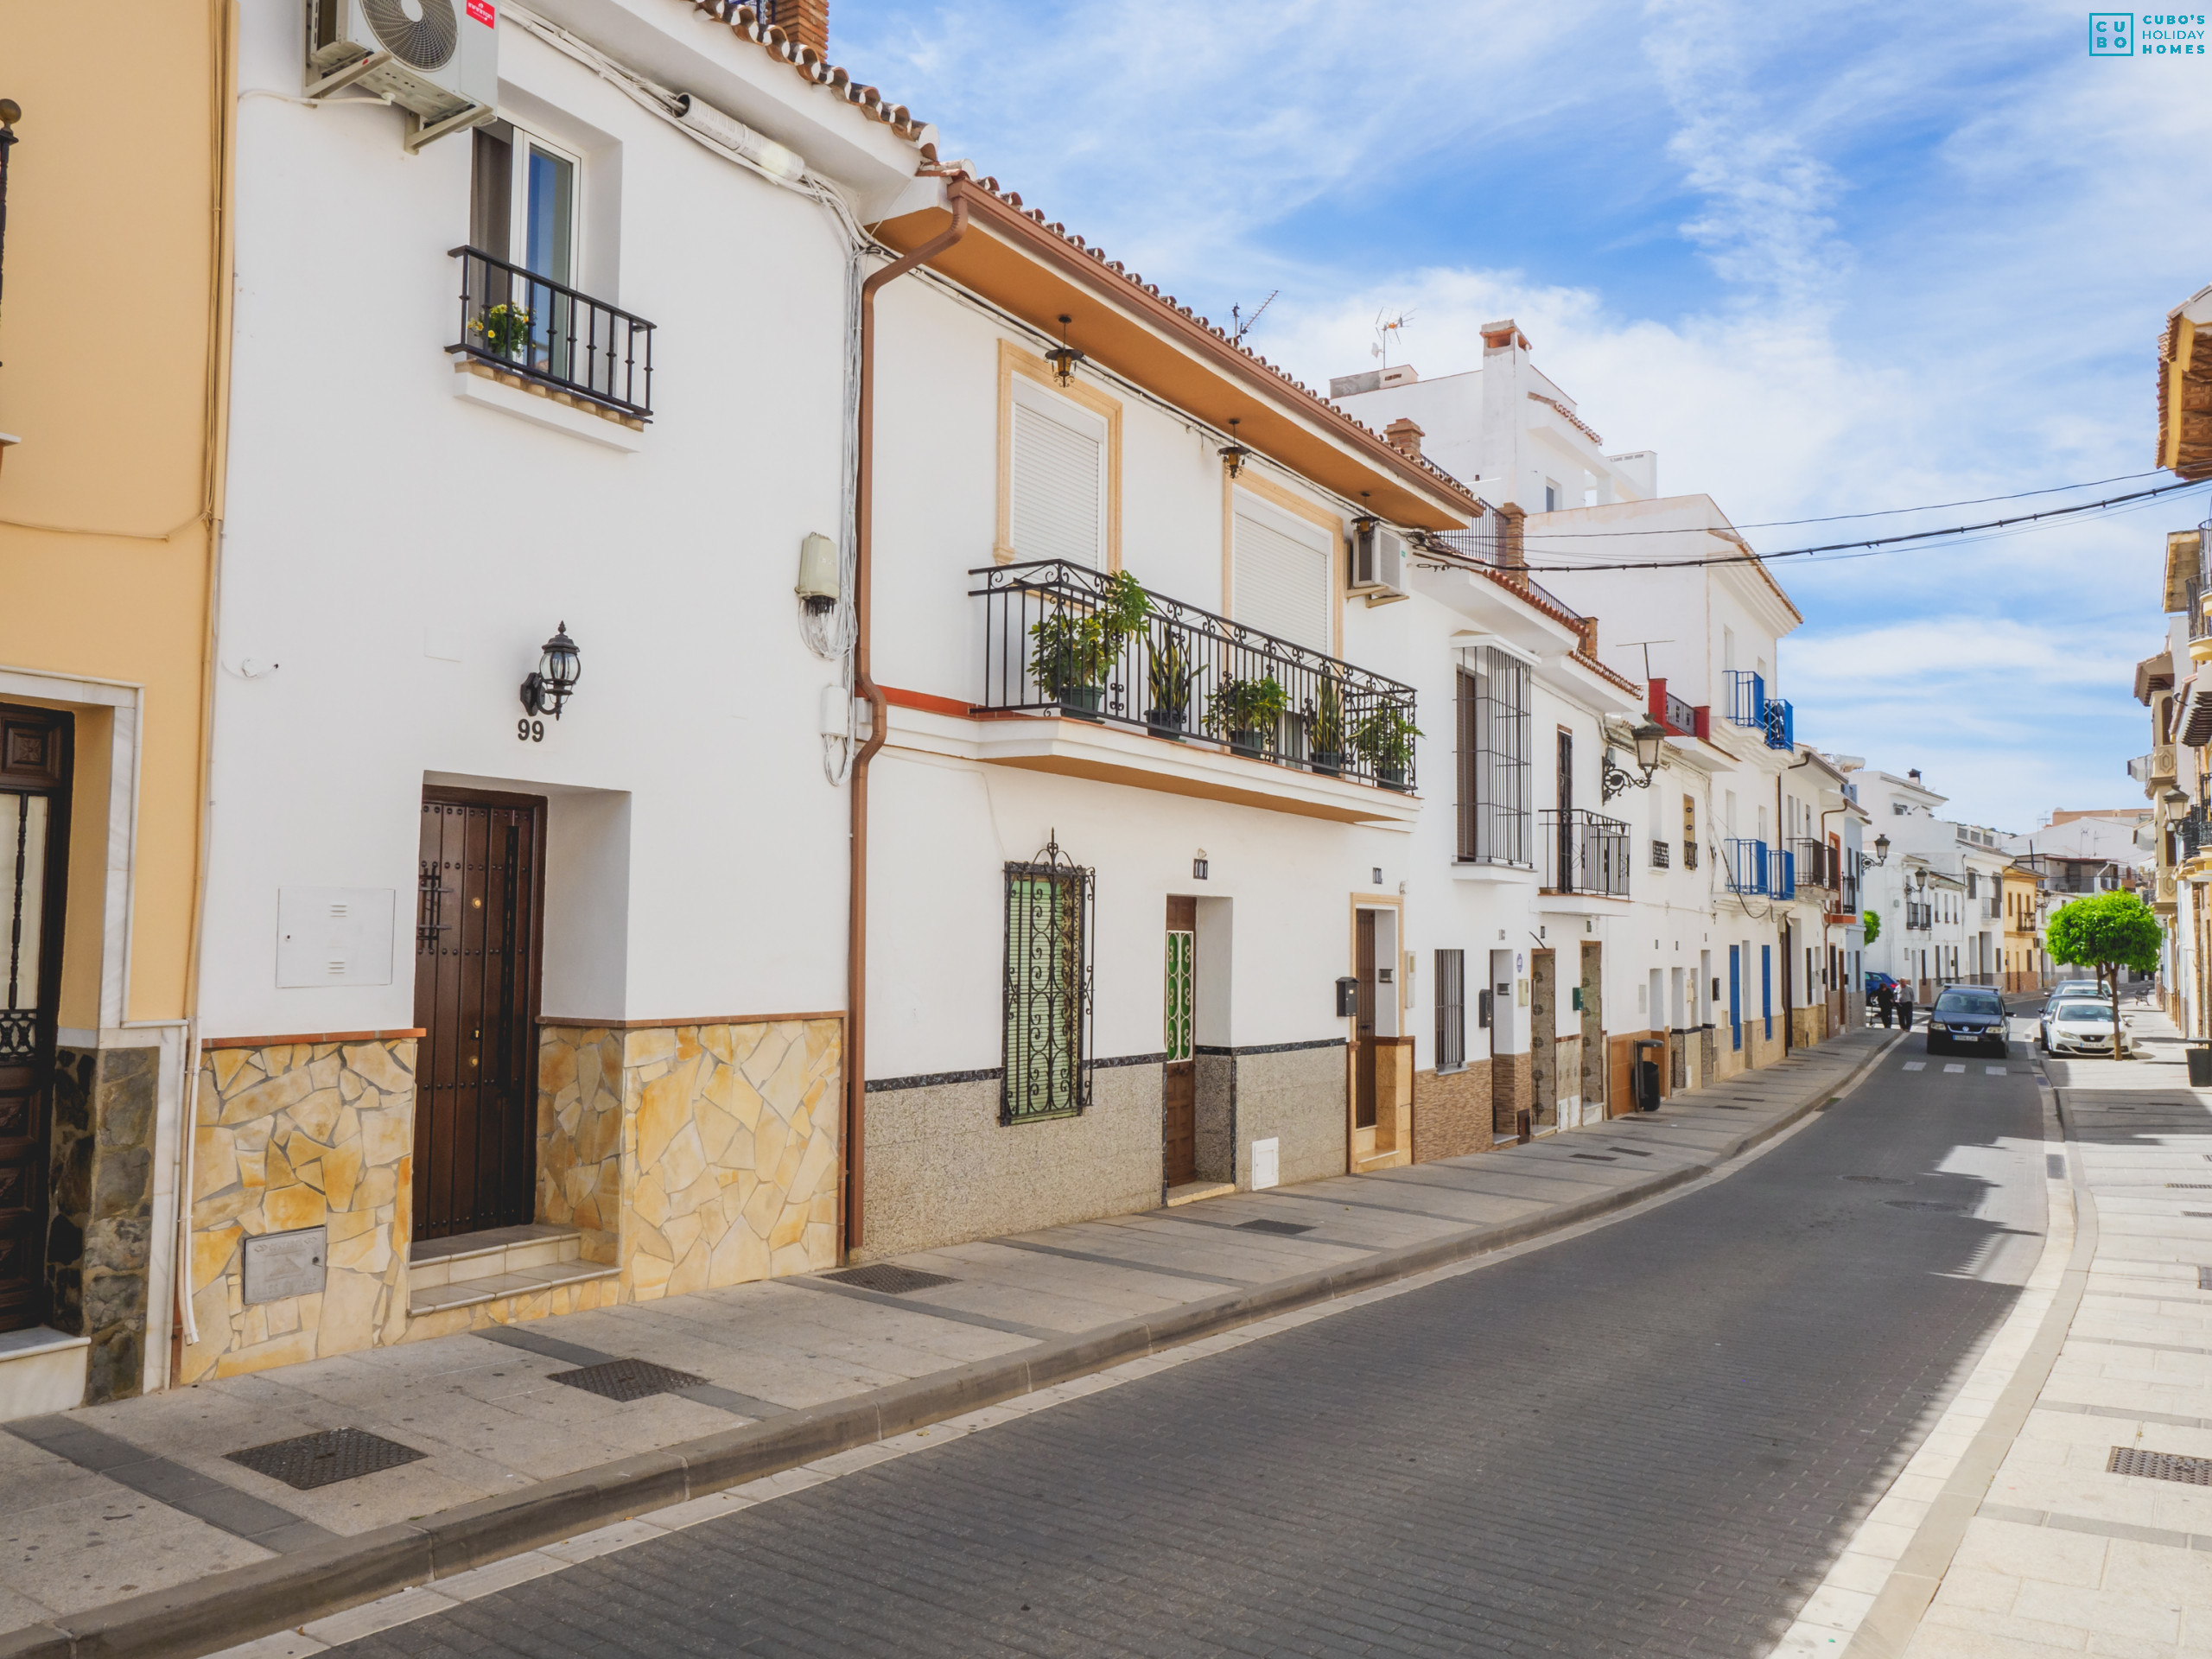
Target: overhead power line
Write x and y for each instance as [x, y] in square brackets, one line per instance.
[1838, 517]
[1872, 543]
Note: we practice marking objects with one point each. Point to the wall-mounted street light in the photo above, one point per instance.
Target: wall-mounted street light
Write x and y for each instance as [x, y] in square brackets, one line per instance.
[1234, 452]
[1650, 739]
[559, 667]
[1064, 358]
[1881, 849]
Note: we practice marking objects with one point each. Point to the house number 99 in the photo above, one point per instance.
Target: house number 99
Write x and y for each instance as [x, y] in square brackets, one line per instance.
[530, 731]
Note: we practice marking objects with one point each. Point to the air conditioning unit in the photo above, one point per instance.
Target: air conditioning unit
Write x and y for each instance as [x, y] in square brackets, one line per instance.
[1378, 562]
[438, 60]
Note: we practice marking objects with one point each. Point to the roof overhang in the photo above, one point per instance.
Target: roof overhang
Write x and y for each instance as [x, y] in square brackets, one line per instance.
[2185, 389]
[2184, 556]
[2153, 675]
[1039, 274]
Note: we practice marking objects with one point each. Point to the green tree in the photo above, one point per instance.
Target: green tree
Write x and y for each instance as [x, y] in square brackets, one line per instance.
[1872, 920]
[2109, 932]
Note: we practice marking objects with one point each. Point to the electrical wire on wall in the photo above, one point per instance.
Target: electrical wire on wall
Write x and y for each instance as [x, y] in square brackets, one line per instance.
[829, 633]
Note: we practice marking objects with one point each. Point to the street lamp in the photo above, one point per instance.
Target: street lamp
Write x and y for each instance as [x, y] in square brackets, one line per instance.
[559, 667]
[1881, 849]
[1651, 738]
[1064, 358]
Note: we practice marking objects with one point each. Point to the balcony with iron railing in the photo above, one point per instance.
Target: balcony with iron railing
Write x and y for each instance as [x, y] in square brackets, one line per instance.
[1819, 864]
[521, 325]
[1845, 902]
[1754, 867]
[1066, 639]
[1584, 853]
[1919, 916]
[1749, 706]
[1683, 719]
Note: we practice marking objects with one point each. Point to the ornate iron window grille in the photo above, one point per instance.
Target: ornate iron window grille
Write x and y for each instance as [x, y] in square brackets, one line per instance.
[1189, 676]
[1494, 725]
[1049, 910]
[25, 865]
[518, 322]
[1585, 852]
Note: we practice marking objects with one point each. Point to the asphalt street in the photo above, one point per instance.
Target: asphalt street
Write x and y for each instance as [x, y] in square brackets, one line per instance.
[1648, 1439]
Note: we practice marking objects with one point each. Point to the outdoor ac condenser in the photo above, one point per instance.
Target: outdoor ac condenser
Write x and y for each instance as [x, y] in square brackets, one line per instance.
[438, 60]
[1378, 562]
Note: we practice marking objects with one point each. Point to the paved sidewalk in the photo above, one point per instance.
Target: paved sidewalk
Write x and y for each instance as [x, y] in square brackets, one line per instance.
[131, 1520]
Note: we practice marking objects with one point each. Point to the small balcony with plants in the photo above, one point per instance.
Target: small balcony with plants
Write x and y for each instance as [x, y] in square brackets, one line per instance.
[531, 332]
[1091, 672]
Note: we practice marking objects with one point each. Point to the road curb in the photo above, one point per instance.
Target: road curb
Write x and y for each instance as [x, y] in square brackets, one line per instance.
[290, 1590]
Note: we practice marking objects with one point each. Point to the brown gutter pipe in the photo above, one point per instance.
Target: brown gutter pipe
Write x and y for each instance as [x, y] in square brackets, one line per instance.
[878, 713]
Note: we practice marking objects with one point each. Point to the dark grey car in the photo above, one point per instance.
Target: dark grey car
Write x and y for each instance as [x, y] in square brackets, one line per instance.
[1966, 1013]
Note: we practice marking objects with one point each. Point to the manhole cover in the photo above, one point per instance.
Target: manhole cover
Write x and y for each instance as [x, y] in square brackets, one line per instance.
[882, 1275]
[324, 1459]
[1924, 1204]
[627, 1379]
[2159, 1465]
[1286, 1228]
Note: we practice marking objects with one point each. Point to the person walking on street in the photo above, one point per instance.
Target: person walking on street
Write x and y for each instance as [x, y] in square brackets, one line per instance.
[1886, 999]
[1904, 1006]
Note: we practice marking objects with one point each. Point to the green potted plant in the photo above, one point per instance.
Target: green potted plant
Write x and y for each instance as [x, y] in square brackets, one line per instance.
[1074, 651]
[1169, 676]
[1245, 712]
[1326, 728]
[504, 330]
[1386, 738]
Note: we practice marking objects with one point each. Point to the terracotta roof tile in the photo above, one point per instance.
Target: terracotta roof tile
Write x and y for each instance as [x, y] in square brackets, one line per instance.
[809, 64]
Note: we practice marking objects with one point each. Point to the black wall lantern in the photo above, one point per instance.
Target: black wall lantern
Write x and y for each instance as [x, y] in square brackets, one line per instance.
[1650, 737]
[1234, 452]
[1881, 849]
[1347, 998]
[1063, 360]
[558, 670]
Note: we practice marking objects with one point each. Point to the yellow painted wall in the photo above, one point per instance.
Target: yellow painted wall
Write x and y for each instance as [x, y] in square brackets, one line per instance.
[110, 376]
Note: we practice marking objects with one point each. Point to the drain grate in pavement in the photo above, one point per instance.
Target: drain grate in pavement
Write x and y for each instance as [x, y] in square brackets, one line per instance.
[2198, 1215]
[2188, 1186]
[882, 1275]
[2204, 1278]
[1878, 1180]
[1924, 1204]
[2159, 1465]
[2054, 1164]
[324, 1459]
[1285, 1228]
[627, 1379]
[1593, 1157]
[1633, 1152]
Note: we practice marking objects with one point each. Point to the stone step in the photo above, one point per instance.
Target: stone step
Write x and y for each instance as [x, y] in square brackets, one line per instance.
[437, 1264]
[42, 1369]
[1193, 1192]
[523, 1282]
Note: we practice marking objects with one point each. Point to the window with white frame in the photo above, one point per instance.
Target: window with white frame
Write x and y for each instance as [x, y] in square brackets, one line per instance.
[524, 204]
[1059, 467]
[1494, 724]
[1279, 574]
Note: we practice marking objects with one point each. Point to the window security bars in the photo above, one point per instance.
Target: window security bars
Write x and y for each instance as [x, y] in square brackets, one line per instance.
[1662, 853]
[1049, 906]
[22, 892]
[1749, 865]
[1182, 977]
[1818, 863]
[1585, 853]
[1918, 918]
[1187, 675]
[1494, 741]
[1847, 895]
[1450, 1009]
[1689, 855]
[518, 322]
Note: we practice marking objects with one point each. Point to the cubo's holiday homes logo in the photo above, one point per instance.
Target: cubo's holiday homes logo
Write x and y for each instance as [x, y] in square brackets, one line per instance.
[2147, 35]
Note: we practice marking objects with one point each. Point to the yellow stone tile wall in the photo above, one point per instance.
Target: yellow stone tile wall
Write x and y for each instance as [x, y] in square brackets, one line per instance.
[302, 1135]
[725, 1167]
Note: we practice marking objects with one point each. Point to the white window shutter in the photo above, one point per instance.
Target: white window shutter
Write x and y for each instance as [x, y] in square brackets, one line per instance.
[1058, 493]
[1281, 581]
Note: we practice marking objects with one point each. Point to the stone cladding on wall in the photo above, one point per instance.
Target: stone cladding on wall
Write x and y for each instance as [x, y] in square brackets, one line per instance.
[100, 1210]
[1452, 1112]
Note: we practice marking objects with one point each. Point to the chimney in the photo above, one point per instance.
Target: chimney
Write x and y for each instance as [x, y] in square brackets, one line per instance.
[1914, 774]
[1402, 435]
[807, 21]
[1511, 554]
[1589, 631]
[1499, 336]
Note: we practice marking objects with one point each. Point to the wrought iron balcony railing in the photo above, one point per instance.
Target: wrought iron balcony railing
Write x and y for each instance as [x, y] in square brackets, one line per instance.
[1773, 718]
[1819, 865]
[516, 321]
[1753, 866]
[1584, 853]
[1683, 719]
[1064, 639]
[1846, 897]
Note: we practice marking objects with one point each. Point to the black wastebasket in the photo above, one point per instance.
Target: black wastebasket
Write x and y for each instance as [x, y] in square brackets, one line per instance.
[1649, 1051]
[2200, 1065]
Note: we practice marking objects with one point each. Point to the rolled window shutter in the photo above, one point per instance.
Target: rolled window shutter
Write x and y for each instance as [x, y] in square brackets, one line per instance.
[1056, 489]
[1281, 584]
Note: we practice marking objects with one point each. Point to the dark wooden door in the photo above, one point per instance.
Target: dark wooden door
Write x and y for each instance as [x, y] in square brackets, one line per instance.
[1564, 829]
[1179, 1116]
[1364, 1025]
[476, 957]
[1788, 1002]
[34, 879]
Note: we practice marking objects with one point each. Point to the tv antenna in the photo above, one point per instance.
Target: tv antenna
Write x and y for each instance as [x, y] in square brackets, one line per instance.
[1241, 325]
[1647, 644]
[1386, 325]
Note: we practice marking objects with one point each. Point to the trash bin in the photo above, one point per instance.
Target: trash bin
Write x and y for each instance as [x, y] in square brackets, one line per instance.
[2200, 1065]
[1650, 1051]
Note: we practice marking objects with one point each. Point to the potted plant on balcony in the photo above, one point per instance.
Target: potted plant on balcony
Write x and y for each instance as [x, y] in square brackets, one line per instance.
[1386, 738]
[1245, 712]
[1169, 676]
[1326, 728]
[504, 330]
[1075, 649]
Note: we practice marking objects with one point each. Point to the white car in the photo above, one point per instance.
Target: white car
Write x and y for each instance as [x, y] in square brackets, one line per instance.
[2067, 987]
[2081, 1025]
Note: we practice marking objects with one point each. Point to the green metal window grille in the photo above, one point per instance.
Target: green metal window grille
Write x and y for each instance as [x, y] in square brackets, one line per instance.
[1048, 913]
[1180, 950]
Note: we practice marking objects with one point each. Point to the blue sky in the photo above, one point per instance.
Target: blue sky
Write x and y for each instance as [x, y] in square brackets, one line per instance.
[1822, 259]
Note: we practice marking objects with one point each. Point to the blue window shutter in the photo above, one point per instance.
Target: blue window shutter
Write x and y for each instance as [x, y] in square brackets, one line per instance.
[1735, 997]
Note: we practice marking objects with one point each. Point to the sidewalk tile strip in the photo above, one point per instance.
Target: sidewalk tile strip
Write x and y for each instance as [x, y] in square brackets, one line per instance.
[1120, 1262]
[198, 1496]
[932, 1310]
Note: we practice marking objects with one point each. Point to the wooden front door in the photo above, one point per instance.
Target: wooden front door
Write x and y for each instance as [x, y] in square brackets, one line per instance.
[1364, 1024]
[34, 879]
[476, 974]
[1179, 1116]
[1788, 999]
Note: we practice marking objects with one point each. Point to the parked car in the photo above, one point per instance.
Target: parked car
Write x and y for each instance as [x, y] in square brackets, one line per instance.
[2081, 1025]
[2075, 987]
[1876, 980]
[1966, 1013]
